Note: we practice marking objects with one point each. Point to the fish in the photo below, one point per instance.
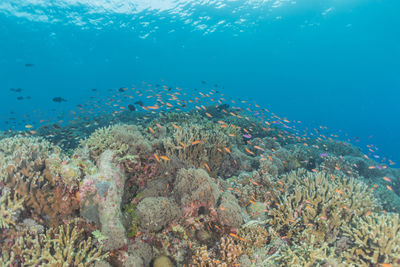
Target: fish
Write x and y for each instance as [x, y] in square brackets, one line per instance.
[164, 157]
[248, 136]
[131, 107]
[59, 99]
[387, 179]
[28, 65]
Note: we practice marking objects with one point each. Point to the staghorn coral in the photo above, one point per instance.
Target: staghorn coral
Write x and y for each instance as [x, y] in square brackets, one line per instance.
[375, 239]
[28, 174]
[58, 247]
[9, 208]
[199, 145]
[319, 203]
[307, 254]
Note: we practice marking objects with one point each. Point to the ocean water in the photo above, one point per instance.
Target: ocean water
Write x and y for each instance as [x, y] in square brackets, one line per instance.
[323, 75]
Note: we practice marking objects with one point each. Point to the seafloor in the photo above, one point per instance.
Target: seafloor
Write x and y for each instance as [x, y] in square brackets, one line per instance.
[193, 185]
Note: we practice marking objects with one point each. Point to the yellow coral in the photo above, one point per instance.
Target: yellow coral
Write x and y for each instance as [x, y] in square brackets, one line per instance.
[9, 207]
[375, 239]
[318, 202]
[58, 247]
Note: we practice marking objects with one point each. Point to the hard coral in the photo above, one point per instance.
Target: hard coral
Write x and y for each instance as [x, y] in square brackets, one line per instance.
[58, 247]
[127, 142]
[154, 213]
[375, 239]
[319, 203]
[195, 187]
[198, 145]
[9, 208]
[28, 174]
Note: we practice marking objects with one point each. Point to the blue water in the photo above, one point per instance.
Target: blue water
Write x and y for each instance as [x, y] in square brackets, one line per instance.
[324, 63]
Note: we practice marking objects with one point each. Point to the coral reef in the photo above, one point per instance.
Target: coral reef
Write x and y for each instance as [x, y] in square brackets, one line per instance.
[212, 186]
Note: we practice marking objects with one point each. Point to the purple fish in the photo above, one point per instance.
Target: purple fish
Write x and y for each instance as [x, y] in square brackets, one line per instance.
[248, 136]
[323, 155]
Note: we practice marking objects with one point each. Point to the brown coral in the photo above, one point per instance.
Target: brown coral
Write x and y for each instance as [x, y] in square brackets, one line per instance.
[27, 173]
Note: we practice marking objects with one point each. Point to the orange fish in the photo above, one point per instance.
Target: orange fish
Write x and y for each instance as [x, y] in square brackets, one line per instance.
[387, 179]
[208, 168]
[227, 150]
[248, 151]
[182, 144]
[176, 126]
[339, 191]
[208, 115]
[164, 157]
[389, 187]
[259, 148]
[157, 158]
[151, 129]
[195, 142]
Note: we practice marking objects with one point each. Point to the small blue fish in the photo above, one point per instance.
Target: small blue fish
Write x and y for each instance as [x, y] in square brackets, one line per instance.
[323, 155]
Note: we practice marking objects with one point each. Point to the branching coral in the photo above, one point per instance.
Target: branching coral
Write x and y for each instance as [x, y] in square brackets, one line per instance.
[9, 208]
[319, 203]
[204, 145]
[59, 247]
[307, 254]
[375, 239]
